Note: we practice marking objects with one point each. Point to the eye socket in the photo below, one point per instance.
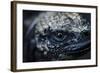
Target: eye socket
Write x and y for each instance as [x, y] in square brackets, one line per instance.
[59, 35]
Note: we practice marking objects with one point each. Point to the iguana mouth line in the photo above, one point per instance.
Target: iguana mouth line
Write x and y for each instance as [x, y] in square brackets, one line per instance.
[73, 47]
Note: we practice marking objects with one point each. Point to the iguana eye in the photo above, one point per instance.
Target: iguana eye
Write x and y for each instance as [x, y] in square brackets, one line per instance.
[59, 35]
